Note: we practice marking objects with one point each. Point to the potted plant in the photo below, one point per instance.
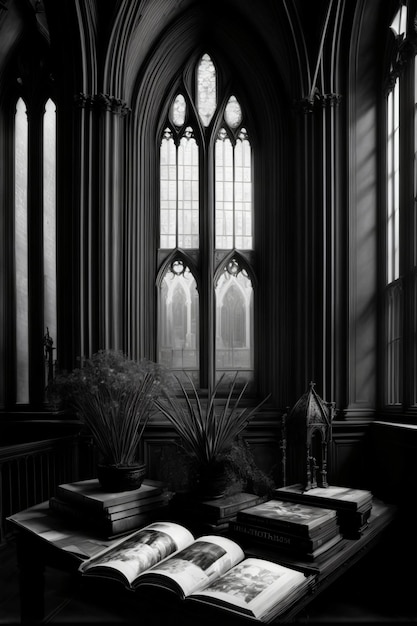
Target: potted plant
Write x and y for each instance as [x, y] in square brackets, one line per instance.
[114, 397]
[207, 428]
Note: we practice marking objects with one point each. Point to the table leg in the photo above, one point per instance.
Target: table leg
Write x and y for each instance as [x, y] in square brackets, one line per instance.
[31, 582]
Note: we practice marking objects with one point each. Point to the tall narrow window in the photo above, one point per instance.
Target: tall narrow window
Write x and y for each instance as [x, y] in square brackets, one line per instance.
[393, 178]
[393, 294]
[21, 253]
[206, 296]
[49, 211]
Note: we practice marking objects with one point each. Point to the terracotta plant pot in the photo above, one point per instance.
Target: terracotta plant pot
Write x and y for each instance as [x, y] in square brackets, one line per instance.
[121, 478]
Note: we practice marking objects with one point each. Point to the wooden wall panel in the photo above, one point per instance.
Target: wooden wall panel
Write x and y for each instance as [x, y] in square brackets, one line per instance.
[393, 450]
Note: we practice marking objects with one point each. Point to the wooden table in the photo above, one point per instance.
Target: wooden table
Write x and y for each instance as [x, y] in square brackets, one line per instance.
[43, 539]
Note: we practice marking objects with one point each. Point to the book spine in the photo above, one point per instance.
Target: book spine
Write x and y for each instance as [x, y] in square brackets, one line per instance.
[271, 537]
[134, 504]
[273, 524]
[135, 521]
[102, 525]
[142, 508]
[355, 519]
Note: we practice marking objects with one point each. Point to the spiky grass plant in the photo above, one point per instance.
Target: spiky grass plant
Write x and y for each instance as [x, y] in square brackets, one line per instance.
[114, 396]
[208, 429]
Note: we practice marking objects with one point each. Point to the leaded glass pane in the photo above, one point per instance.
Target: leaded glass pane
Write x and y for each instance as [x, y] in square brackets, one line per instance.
[49, 213]
[178, 110]
[168, 191]
[21, 253]
[188, 196]
[206, 89]
[224, 191]
[179, 319]
[243, 193]
[233, 188]
[233, 112]
[234, 321]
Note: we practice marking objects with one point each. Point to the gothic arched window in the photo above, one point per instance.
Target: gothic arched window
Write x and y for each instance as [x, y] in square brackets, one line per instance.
[206, 296]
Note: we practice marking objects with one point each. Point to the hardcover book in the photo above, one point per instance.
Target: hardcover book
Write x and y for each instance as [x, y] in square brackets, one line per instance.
[105, 526]
[136, 506]
[353, 524]
[147, 504]
[279, 540]
[332, 497]
[292, 517]
[217, 509]
[211, 570]
[91, 495]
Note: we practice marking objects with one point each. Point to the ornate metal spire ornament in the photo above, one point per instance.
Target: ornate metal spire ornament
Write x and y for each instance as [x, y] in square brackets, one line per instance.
[307, 432]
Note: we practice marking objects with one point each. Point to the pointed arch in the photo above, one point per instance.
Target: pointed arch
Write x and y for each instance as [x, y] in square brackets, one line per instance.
[178, 315]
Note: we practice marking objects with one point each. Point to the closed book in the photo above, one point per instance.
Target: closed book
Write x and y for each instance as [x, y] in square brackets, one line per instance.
[304, 554]
[100, 524]
[147, 504]
[353, 520]
[331, 497]
[328, 553]
[279, 539]
[295, 518]
[217, 509]
[91, 495]
[121, 526]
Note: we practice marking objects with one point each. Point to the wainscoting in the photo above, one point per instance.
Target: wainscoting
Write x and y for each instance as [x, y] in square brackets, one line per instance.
[30, 472]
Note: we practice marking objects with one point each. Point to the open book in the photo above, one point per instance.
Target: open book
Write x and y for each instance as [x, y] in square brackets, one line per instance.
[211, 569]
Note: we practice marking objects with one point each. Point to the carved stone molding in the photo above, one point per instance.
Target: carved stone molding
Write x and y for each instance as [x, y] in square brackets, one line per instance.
[102, 102]
[318, 101]
[331, 99]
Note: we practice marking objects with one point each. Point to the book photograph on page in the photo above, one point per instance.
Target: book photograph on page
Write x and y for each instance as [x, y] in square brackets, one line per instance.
[255, 587]
[207, 558]
[137, 553]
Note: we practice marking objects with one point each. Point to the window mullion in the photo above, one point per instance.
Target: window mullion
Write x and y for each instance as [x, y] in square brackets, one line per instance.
[207, 265]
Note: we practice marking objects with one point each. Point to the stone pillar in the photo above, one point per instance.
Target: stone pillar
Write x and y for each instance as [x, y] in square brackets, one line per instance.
[99, 219]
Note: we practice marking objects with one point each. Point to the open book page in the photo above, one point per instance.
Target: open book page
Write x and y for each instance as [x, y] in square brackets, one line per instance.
[253, 587]
[207, 558]
[139, 551]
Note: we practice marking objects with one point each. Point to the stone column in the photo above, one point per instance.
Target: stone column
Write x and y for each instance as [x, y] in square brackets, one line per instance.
[99, 220]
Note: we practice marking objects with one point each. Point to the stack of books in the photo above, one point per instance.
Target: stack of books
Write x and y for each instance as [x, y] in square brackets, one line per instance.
[111, 514]
[302, 531]
[211, 516]
[353, 506]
